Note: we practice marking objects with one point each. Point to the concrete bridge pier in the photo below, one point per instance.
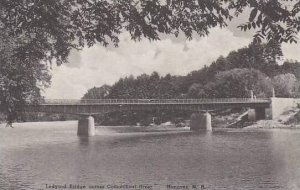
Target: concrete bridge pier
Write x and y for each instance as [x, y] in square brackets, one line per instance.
[201, 122]
[86, 126]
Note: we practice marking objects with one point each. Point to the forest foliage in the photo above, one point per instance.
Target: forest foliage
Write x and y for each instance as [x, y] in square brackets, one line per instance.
[253, 68]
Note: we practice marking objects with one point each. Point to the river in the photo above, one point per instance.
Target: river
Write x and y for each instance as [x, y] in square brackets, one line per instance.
[48, 155]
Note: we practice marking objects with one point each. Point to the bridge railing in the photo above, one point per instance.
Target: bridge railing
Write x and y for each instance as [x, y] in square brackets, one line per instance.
[151, 101]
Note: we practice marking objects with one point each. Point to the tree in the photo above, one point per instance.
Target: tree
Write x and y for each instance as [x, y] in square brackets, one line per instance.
[168, 87]
[48, 30]
[237, 83]
[22, 77]
[292, 67]
[58, 26]
[97, 93]
[261, 56]
[146, 87]
[98, 21]
[285, 85]
[276, 20]
[195, 90]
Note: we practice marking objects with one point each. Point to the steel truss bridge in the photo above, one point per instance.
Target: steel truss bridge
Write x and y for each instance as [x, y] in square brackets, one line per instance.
[101, 106]
[257, 108]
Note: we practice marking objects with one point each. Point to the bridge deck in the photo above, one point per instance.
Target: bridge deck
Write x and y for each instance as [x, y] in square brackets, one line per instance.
[152, 101]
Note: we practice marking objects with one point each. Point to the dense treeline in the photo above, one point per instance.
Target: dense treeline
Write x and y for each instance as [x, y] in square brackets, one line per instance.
[253, 68]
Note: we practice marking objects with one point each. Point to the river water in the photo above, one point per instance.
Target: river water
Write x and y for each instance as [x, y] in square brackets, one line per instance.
[50, 155]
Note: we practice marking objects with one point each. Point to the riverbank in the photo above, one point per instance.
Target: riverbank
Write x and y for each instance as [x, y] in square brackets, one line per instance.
[288, 120]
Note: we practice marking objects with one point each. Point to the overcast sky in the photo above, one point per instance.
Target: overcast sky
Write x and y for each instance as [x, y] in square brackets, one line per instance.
[98, 65]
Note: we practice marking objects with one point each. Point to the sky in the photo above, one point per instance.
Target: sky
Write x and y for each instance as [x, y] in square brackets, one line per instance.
[95, 66]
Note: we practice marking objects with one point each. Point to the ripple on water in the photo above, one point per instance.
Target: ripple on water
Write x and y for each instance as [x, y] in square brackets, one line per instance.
[34, 155]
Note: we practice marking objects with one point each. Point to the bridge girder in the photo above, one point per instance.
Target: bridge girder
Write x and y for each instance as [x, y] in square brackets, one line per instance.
[95, 109]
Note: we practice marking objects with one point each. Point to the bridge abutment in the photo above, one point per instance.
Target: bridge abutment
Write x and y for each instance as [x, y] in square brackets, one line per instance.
[86, 126]
[259, 114]
[280, 105]
[200, 122]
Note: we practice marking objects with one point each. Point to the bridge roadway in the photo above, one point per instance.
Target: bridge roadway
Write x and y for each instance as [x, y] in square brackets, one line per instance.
[151, 101]
[89, 107]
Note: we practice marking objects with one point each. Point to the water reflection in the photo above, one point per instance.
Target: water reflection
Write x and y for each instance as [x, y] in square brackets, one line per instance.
[284, 145]
[84, 141]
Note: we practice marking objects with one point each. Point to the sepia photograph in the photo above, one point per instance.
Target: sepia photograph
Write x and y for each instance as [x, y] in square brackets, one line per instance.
[149, 95]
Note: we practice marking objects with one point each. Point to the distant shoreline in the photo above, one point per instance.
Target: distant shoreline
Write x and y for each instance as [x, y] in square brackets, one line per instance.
[270, 124]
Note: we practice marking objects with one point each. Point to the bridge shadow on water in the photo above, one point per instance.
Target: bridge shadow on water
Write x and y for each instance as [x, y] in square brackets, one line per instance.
[128, 137]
